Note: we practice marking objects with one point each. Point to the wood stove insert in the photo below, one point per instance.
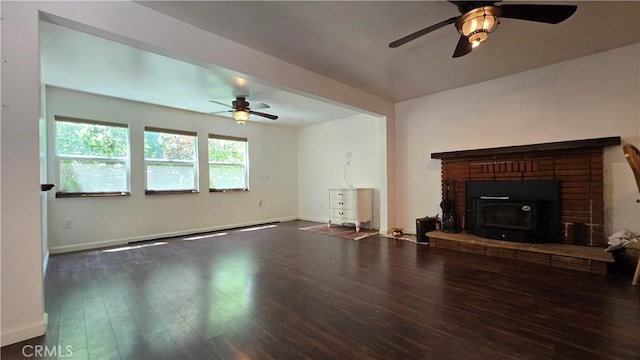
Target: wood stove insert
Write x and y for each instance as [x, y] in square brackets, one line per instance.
[524, 211]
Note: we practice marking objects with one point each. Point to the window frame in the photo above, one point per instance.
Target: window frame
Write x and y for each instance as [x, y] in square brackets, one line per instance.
[194, 162]
[245, 163]
[58, 158]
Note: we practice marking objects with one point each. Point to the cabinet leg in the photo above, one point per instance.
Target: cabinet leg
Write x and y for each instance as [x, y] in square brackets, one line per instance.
[357, 228]
[636, 276]
[329, 224]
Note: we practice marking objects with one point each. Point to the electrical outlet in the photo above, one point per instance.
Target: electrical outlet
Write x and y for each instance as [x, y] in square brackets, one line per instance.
[260, 203]
[349, 154]
[68, 224]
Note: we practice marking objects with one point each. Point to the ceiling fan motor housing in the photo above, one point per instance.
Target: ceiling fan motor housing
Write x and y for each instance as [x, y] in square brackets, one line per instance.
[240, 103]
[476, 24]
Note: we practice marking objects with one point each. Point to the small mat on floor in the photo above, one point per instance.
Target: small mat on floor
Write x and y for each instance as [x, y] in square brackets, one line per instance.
[347, 232]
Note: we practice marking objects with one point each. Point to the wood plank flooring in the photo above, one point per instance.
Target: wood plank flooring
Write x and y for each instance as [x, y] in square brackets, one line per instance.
[280, 293]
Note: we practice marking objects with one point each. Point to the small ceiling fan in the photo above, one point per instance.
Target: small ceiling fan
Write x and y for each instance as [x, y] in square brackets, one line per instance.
[241, 109]
[479, 18]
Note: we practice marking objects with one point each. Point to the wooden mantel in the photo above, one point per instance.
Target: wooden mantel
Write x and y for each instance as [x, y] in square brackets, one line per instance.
[551, 146]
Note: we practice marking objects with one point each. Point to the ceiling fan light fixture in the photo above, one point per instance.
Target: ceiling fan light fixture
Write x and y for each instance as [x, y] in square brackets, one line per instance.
[478, 37]
[478, 23]
[241, 116]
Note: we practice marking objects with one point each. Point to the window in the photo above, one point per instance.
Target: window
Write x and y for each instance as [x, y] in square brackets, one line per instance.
[170, 161]
[227, 163]
[92, 158]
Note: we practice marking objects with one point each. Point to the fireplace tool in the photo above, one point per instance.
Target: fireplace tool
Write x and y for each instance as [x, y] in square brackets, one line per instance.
[448, 206]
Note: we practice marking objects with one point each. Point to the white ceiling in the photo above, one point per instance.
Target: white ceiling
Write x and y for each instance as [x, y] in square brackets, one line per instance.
[343, 40]
[83, 62]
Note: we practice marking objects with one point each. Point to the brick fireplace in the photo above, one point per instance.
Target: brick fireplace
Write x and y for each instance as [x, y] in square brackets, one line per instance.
[577, 165]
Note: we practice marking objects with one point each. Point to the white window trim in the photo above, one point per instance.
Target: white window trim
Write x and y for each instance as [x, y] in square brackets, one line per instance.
[245, 164]
[125, 160]
[193, 162]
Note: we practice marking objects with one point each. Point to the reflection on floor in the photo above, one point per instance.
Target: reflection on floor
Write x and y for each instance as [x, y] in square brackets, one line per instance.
[280, 293]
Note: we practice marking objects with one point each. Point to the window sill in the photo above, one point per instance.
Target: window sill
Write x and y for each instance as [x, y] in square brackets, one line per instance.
[169, 192]
[61, 194]
[229, 190]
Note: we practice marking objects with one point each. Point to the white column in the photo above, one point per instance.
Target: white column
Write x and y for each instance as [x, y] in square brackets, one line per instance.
[20, 235]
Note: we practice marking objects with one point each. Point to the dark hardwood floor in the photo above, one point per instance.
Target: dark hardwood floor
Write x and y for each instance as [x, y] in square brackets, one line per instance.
[281, 293]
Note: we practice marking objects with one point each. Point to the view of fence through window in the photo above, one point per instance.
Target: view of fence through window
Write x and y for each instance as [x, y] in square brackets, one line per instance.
[170, 160]
[91, 157]
[227, 163]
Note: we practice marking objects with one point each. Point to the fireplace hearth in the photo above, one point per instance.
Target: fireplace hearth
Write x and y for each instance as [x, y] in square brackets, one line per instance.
[522, 211]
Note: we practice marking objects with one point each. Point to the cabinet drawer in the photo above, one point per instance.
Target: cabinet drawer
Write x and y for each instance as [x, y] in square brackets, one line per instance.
[339, 194]
[342, 204]
[344, 215]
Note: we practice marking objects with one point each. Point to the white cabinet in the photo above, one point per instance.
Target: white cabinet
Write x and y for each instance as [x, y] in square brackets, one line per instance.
[350, 206]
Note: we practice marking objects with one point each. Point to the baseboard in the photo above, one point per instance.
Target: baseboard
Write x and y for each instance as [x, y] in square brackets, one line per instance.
[28, 331]
[89, 246]
[123, 241]
[320, 220]
[324, 221]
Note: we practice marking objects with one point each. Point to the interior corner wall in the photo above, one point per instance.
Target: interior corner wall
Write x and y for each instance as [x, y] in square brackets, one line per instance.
[98, 222]
[589, 97]
[322, 154]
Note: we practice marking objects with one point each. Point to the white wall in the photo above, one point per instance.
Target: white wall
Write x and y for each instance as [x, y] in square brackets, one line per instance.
[322, 154]
[22, 293]
[116, 220]
[590, 97]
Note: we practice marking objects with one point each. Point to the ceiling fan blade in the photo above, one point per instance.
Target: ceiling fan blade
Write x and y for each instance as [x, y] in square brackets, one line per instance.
[219, 103]
[422, 32]
[550, 14]
[260, 106]
[463, 48]
[268, 116]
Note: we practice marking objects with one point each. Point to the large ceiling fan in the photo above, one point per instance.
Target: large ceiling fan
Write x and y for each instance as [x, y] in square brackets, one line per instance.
[241, 109]
[479, 18]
